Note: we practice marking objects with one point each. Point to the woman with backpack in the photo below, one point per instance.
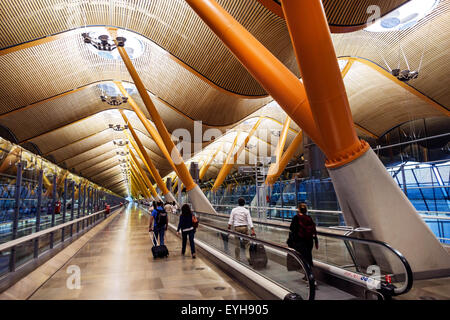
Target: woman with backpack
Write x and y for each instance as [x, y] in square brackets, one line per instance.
[159, 222]
[303, 233]
[187, 224]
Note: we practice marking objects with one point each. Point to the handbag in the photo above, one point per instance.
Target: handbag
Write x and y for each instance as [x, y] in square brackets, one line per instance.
[194, 222]
[290, 241]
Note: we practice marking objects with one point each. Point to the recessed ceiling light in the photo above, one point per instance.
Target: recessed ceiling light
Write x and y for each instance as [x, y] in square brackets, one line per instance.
[404, 17]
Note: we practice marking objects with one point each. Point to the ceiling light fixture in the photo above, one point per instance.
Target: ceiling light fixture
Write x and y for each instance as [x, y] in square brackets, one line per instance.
[404, 17]
[100, 43]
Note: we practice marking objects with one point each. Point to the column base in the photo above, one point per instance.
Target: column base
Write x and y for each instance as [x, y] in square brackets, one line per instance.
[369, 197]
[200, 202]
[170, 198]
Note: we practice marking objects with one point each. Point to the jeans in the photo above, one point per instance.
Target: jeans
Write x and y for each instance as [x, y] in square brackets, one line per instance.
[184, 236]
[239, 242]
[159, 231]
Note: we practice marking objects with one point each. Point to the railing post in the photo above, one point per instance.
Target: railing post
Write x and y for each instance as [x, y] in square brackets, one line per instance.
[53, 210]
[64, 210]
[72, 207]
[405, 190]
[38, 213]
[12, 257]
[84, 206]
[79, 206]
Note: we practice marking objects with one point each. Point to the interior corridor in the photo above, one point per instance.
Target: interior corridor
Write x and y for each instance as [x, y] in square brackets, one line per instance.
[117, 264]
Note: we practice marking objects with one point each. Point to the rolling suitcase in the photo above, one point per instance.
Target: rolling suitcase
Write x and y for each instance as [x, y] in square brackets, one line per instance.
[159, 251]
[258, 256]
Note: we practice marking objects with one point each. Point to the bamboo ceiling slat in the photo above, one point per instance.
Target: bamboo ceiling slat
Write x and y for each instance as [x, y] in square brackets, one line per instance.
[74, 65]
[90, 154]
[375, 112]
[91, 162]
[431, 34]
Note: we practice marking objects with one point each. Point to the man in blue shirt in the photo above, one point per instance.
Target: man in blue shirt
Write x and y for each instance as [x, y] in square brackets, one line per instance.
[159, 222]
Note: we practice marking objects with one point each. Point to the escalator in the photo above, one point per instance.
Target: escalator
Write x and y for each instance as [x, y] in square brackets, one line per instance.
[346, 267]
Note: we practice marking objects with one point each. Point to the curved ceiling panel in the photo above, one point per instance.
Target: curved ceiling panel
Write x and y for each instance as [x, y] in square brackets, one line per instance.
[379, 113]
[169, 23]
[428, 39]
[74, 65]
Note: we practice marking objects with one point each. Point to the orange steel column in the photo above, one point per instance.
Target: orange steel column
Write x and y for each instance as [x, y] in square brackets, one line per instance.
[181, 168]
[206, 166]
[139, 147]
[224, 170]
[280, 147]
[273, 75]
[228, 166]
[135, 147]
[142, 172]
[139, 179]
[148, 126]
[139, 187]
[287, 156]
[323, 82]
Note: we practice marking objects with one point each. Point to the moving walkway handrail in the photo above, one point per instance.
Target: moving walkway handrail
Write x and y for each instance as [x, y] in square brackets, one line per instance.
[18, 241]
[304, 264]
[407, 268]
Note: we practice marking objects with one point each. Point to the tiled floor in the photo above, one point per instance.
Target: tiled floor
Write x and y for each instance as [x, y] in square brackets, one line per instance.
[117, 264]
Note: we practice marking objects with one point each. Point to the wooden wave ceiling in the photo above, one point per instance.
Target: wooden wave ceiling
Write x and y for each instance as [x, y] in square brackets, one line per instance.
[49, 78]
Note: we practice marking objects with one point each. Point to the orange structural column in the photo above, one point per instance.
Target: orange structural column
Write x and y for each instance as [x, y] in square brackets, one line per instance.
[148, 126]
[142, 172]
[322, 79]
[285, 158]
[182, 171]
[273, 75]
[226, 167]
[206, 166]
[139, 147]
[280, 148]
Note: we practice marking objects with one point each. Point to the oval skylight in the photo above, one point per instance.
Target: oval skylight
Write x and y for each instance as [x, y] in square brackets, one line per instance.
[404, 17]
[111, 90]
[134, 45]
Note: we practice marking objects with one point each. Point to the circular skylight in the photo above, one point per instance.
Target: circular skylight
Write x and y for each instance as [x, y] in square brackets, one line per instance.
[404, 17]
[134, 44]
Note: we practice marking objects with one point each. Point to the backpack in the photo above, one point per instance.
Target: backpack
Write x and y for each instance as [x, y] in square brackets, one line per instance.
[161, 217]
[307, 228]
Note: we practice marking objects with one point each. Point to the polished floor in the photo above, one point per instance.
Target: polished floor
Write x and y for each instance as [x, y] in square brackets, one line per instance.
[117, 264]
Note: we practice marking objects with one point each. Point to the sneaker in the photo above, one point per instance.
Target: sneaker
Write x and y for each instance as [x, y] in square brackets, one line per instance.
[193, 256]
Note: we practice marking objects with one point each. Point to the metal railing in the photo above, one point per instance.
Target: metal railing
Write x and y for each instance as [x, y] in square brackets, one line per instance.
[33, 240]
[330, 217]
[355, 247]
[217, 237]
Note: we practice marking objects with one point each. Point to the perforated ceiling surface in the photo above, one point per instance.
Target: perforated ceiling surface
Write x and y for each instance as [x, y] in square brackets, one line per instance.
[50, 80]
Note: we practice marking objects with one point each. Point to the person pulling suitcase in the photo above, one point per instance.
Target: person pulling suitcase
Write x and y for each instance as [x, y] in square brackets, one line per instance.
[159, 222]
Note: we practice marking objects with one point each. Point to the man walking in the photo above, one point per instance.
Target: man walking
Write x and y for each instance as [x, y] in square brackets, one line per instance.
[241, 220]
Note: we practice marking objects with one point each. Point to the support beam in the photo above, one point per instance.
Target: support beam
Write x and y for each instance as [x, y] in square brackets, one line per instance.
[224, 170]
[326, 94]
[140, 180]
[143, 174]
[272, 74]
[207, 164]
[279, 149]
[273, 176]
[148, 126]
[367, 194]
[199, 201]
[139, 147]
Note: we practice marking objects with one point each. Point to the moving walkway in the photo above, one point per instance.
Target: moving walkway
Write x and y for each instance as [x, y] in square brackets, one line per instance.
[346, 267]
